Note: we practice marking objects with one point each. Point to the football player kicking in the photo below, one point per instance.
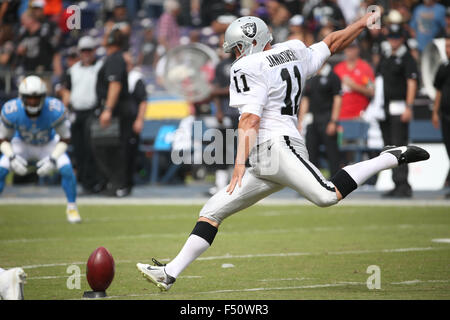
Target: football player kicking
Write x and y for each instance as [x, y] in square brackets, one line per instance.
[266, 86]
[34, 127]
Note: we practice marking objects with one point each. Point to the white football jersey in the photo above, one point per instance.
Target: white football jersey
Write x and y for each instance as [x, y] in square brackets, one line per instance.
[270, 83]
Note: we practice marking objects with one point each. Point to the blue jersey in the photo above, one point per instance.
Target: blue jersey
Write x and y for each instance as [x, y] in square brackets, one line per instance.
[36, 131]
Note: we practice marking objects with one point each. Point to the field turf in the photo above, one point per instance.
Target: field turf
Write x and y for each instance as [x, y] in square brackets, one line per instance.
[276, 252]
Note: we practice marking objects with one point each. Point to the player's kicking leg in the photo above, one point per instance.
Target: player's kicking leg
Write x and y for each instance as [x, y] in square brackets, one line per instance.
[218, 208]
[391, 157]
[298, 173]
[11, 284]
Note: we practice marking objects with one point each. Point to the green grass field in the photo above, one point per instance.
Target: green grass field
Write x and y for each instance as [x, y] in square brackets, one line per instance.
[278, 252]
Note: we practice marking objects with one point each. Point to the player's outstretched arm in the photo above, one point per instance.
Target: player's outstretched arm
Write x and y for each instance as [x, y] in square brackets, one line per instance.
[339, 40]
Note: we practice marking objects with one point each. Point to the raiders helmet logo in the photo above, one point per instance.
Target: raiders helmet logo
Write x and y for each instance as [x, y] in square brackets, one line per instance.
[249, 29]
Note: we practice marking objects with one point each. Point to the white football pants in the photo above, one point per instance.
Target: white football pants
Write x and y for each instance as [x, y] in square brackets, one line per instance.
[32, 152]
[275, 164]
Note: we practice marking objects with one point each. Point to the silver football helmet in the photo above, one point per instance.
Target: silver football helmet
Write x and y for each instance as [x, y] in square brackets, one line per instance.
[32, 92]
[249, 34]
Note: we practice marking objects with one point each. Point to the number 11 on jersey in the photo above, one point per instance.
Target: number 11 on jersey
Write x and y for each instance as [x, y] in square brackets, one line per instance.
[289, 109]
[244, 82]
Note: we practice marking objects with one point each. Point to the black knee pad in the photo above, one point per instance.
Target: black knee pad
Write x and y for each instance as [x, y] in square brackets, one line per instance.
[205, 231]
[344, 183]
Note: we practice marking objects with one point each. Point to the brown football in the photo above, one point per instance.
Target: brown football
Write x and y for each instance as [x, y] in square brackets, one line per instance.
[100, 269]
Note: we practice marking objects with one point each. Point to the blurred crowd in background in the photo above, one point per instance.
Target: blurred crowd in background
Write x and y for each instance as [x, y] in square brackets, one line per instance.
[36, 38]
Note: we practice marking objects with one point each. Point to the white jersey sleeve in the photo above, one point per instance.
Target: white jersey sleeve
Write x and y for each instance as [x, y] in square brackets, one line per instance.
[317, 55]
[247, 87]
[313, 57]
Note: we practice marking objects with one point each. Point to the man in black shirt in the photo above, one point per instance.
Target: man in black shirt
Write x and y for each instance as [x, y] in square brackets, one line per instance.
[399, 71]
[322, 96]
[441, 110]
[38, 46]
[117, 111]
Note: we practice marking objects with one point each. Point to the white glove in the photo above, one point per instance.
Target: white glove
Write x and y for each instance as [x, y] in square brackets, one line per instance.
[46, 166]
[18, 165]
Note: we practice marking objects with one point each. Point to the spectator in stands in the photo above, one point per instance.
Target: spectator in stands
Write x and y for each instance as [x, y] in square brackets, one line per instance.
[399, 71]
[298, 31]
[148, 48]
[293, 6]
[139, 101]
[428, 22]
[9, 12]
[37, 10]
[6, 54]
[278, 20]
[52, 8]
[441, 109]
[357, 79]
[350, 9]
[154, 8]
[322, 97]
[224, 15]
[38, 47]
[115, 119]
[6, 45]
[326, 13]
[119, 20]
[80, 96]
[168, 29]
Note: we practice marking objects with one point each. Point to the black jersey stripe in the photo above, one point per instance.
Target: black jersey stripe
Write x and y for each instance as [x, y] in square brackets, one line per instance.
[322, 183]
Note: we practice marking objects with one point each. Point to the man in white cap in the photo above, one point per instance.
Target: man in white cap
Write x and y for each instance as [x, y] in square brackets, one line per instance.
[80, 95]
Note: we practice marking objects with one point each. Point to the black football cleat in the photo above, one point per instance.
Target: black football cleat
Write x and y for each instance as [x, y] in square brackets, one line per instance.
[407, 154]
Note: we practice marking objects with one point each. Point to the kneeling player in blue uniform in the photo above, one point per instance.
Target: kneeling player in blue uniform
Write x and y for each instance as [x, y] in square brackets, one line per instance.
[34, 127]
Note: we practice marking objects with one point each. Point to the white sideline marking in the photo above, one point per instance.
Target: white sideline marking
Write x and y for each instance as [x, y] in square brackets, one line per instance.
[251, 256]
[441, 240]
[52, 277]
[408, 249]
[419, 281]
[283, 288]
[287, 279]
